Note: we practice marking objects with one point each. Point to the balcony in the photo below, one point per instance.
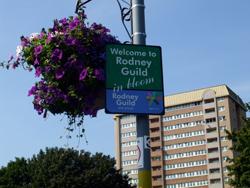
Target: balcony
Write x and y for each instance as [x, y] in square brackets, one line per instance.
[213, 144]
[157, 183]
[156, 163]
[214, 175]
[211, 135]
[156, 153]
[213, 155]
[156, 173]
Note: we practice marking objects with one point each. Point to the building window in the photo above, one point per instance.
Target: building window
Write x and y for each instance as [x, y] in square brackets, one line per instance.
[183, 106]
[132, 143]
[222, 118]
[184, 145]
[184, 165]
[181, 116]
[189, 184]
[225, 148]
[214, 171]
[128, 153]
[221, 108]
[133, 171]
[223, 138]
[215, 181]
[127, 116]
[156, 158]
[183, 135]
[220, 99]
[210, 120]
[128, 125]
[133, 181]
[224, 159]
[187, 174]
[183, 125]
[225, 169]
[125, 135]
[223, 128]
[187, 154]
[131, 162]
[207, 101]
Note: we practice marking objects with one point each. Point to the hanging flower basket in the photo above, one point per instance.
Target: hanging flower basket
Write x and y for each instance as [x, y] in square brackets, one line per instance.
[69, 59]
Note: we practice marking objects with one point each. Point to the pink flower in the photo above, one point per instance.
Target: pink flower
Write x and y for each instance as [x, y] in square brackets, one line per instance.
[11, 57]
[13, 66]
[36, 62]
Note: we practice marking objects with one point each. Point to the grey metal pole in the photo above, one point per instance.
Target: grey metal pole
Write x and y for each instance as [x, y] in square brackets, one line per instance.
[142, 121]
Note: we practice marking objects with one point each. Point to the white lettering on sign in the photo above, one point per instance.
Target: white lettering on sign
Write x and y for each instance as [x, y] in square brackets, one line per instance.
[125, 100]
[116, 51]
[132, 61]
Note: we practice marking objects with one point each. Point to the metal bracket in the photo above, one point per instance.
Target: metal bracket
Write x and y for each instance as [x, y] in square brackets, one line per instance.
[125, 16]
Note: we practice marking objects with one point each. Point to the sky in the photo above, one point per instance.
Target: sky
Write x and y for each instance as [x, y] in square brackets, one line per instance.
[204, 43]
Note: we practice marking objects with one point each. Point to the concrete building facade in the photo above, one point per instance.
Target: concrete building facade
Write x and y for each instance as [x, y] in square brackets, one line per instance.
[188, 145]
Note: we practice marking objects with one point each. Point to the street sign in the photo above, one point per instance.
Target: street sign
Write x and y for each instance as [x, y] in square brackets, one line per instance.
[134, 81]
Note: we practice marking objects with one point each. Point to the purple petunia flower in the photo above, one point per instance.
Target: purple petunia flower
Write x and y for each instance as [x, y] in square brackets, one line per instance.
[66, 98]
[99, 74]
[59, 72]
[79, 86]
[38, 71]
[79, 64]
[36, 62]
[63, 21]
[88, 111]
[56, 55]
[90, 100]
[96, 26]
[49, 100]
[43, 87]
[33, 90]
[38, 108]
[82, 50]
[83, 74]
[58, 93]
[49, 38]
[11, 57]
[73, 24]
[41, 35]
[38, 98]
[38, 50]
[47, 69]
[94, 113]
[70, 41]
[24, 43]
[98, 41]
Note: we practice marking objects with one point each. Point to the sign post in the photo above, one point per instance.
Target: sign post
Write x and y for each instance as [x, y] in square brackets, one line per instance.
[134, 85]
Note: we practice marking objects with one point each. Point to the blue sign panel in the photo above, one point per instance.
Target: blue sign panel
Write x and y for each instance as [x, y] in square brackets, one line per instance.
[133, 101]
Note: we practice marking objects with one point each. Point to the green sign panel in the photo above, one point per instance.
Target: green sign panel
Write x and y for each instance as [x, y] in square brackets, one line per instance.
[134, 67]
[134, 81]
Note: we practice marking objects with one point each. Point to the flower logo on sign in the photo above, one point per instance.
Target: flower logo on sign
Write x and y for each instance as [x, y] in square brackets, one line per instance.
[154, 98]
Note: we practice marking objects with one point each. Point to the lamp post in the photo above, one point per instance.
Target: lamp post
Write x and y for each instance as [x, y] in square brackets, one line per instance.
[142, 121]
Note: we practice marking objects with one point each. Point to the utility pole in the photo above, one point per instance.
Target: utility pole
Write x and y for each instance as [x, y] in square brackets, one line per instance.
[142, 121]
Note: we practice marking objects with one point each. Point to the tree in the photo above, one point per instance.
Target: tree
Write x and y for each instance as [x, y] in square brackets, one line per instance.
[239, 170]
[63, 168]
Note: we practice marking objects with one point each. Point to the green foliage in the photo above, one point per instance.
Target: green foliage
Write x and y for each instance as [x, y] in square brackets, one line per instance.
[239, 170]
[63, 168]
